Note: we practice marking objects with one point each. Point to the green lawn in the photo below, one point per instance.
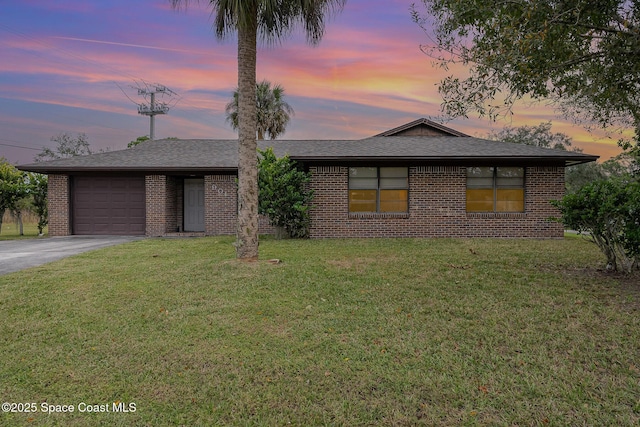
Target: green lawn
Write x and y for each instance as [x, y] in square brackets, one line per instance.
[10, 231]
[341, 332]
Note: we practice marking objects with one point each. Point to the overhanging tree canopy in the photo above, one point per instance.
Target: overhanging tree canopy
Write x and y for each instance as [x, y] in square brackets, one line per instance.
[538, 136]
[582, 54]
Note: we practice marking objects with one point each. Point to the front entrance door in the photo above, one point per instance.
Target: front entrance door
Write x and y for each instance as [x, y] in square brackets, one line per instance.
[194, 205]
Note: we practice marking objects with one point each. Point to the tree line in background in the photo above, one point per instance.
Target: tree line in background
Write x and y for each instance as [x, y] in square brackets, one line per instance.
[577, 176]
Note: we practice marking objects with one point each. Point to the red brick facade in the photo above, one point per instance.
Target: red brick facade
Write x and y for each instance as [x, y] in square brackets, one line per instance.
[58, 198]
[158, 204]
[437, 206]
[221, 204]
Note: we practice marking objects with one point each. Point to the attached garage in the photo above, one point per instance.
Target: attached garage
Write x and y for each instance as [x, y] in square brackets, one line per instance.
[108, 205]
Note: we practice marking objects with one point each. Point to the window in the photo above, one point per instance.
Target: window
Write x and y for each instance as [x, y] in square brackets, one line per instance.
[495, 189]
[374, 189]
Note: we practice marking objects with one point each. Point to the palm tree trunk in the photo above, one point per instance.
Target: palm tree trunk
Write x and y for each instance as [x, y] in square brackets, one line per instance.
[247, 231]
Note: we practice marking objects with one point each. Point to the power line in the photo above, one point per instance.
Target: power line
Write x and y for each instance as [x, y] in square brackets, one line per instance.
[154, 108]
[20, 146]
[50, 47]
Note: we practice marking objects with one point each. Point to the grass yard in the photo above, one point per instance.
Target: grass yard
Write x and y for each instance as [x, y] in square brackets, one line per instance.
[342, 332]
[10, 231]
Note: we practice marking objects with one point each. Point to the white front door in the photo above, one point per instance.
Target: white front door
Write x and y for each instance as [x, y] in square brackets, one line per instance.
[194, 205]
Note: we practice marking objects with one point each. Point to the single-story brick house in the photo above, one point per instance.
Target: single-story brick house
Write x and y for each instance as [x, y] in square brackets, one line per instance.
[421, 179]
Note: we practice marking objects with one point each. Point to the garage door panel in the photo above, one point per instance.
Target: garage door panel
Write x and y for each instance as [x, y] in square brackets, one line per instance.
[102, 198]
[109, 205]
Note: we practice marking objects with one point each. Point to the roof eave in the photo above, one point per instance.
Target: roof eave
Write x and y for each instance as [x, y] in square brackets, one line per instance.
[120, 169]
[585, 159]
[567, 161]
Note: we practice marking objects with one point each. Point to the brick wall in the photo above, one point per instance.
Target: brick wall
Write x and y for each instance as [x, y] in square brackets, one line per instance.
[171, 205]
[264, 226]
[59, 205]
[220, 204]
[156, 204]
[437, 207]
[164, 205]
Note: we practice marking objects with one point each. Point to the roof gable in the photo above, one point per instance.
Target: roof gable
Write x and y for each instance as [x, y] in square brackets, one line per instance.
[421, 127]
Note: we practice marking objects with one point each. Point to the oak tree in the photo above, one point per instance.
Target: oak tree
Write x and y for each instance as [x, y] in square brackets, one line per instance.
[582, 55]
[67, 145]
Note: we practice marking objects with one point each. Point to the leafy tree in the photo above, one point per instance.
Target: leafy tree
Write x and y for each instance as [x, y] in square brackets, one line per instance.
[270, 20]
[621, 166]
[608, 213]
[67, 146]
[284, 197]
[624, 164]
[538, 136]
[583, 55]
[38, 188]
[273, 112]
[137, 141]
[542, 136]
[12, 188]
[576, 177]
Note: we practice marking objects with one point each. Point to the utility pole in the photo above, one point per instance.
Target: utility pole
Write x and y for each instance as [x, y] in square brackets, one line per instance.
[153, 108]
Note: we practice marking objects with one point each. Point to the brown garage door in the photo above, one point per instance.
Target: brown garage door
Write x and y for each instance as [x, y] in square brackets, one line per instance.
[108, 205]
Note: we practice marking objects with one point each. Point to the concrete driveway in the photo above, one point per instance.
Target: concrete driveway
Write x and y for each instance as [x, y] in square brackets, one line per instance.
[17, 255]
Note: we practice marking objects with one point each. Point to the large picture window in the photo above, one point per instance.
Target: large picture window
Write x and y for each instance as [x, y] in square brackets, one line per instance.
[495, 189]
[379, 189]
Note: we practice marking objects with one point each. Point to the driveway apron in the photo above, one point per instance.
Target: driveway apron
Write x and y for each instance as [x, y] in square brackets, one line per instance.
[16, 255]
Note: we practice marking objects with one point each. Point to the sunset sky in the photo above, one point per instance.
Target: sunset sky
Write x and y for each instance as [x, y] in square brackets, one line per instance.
[74, 66]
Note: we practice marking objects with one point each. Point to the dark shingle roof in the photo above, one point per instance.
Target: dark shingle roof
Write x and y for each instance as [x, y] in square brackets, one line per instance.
[423, 149]
[150, 156]
[201, 155]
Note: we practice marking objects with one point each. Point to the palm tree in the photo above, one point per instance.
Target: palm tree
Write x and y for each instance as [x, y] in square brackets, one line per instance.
[272, 20]
[273, 112]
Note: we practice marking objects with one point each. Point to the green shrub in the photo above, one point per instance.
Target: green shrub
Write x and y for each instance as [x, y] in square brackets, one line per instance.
[608, 212]
[283, 195]
[38, 187]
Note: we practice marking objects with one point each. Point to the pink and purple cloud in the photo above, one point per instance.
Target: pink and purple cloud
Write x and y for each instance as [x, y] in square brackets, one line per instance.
[73, 66]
